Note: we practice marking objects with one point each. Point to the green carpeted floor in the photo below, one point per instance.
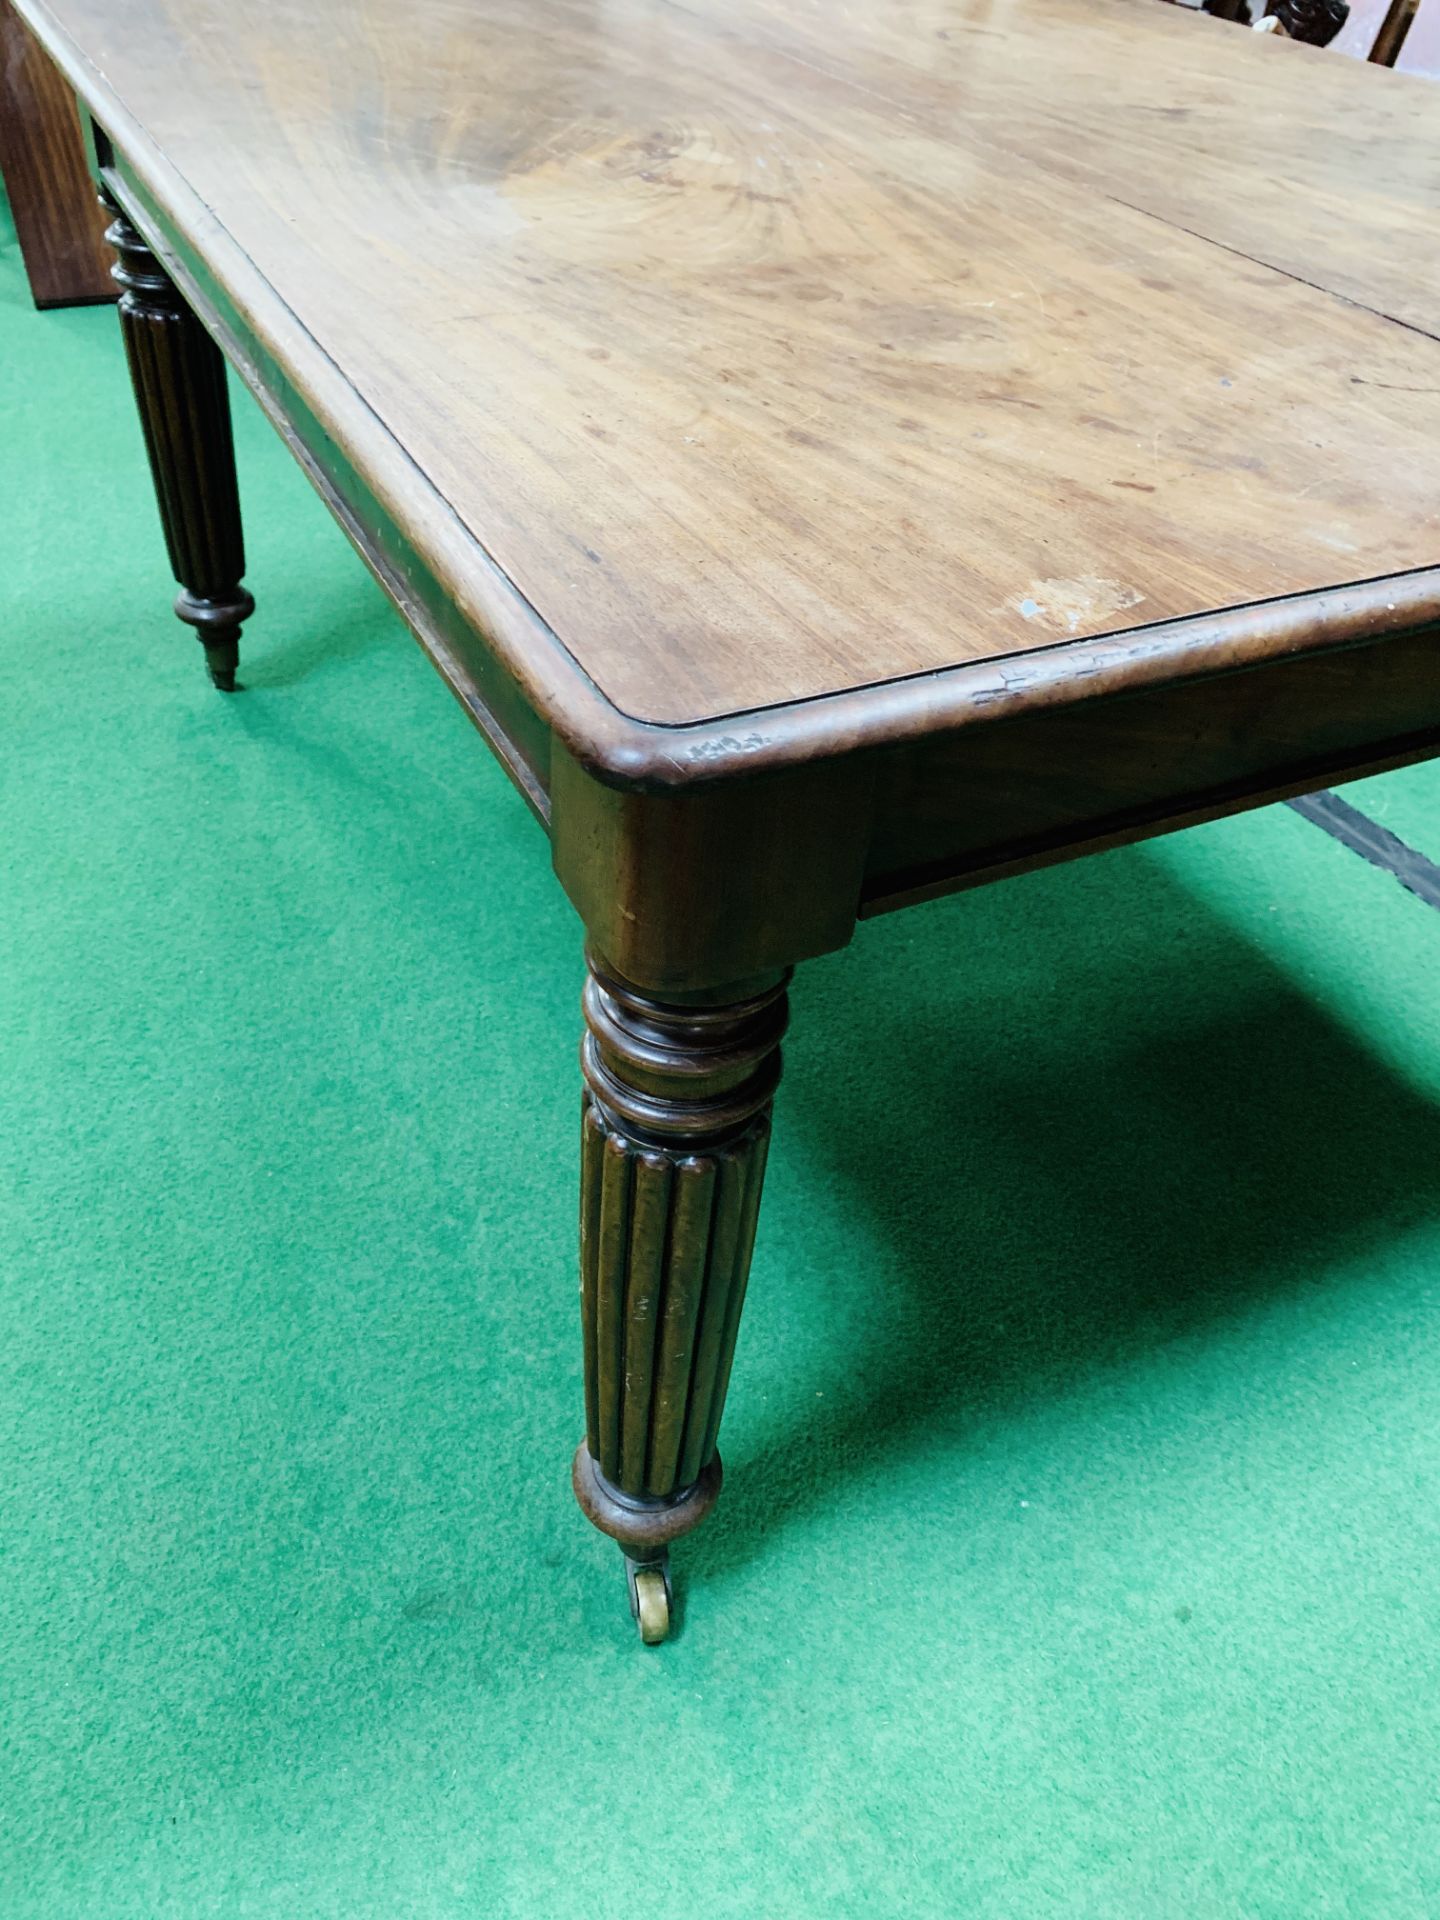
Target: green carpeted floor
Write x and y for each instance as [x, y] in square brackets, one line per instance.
[1080, 1551]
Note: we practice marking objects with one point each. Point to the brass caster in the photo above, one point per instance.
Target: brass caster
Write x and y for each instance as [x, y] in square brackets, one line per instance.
[652, 1606]
[649, 1583]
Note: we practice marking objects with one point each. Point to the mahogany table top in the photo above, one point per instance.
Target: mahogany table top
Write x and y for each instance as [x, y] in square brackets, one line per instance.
[772, 349]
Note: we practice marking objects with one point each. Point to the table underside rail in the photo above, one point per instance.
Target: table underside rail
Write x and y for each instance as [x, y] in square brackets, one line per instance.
[951, 814]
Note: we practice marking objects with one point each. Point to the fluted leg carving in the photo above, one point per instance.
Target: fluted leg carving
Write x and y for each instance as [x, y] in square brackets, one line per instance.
[178, 374]
[675, 1125]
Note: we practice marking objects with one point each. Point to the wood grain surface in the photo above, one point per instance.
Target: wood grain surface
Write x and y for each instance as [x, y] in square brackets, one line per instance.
[42, 158]
[775, 350]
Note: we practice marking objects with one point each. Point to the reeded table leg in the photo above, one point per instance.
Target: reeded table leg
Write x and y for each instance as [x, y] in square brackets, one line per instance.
[179, 378]
[675, 1125]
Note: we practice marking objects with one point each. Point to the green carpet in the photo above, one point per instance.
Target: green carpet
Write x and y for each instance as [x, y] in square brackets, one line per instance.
[1080, 1548]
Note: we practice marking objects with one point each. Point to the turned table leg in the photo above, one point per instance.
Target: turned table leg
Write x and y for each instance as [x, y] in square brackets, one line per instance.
[178, 374]
[675, 1124]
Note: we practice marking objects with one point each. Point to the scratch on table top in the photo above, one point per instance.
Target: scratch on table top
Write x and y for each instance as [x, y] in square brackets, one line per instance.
[1067, 606]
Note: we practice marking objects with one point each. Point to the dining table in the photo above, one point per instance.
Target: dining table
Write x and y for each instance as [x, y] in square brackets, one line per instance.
[836, 452]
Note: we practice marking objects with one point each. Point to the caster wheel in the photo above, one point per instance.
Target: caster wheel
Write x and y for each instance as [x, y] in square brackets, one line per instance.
[652, 1605]
[650, 1600]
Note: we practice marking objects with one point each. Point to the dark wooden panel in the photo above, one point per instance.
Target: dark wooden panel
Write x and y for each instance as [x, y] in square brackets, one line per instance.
[718, 884]
[1050, 784]
[42, 158]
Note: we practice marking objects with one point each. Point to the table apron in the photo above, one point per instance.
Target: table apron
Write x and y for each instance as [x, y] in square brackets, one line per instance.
[1048, 786]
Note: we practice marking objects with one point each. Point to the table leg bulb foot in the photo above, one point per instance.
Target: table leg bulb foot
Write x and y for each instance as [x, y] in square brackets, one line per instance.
[217, 627]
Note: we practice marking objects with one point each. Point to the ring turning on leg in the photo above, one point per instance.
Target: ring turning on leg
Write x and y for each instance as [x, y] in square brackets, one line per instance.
[675, 1125]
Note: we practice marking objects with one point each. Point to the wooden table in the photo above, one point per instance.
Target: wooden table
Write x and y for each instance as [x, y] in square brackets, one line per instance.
[835, 456]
